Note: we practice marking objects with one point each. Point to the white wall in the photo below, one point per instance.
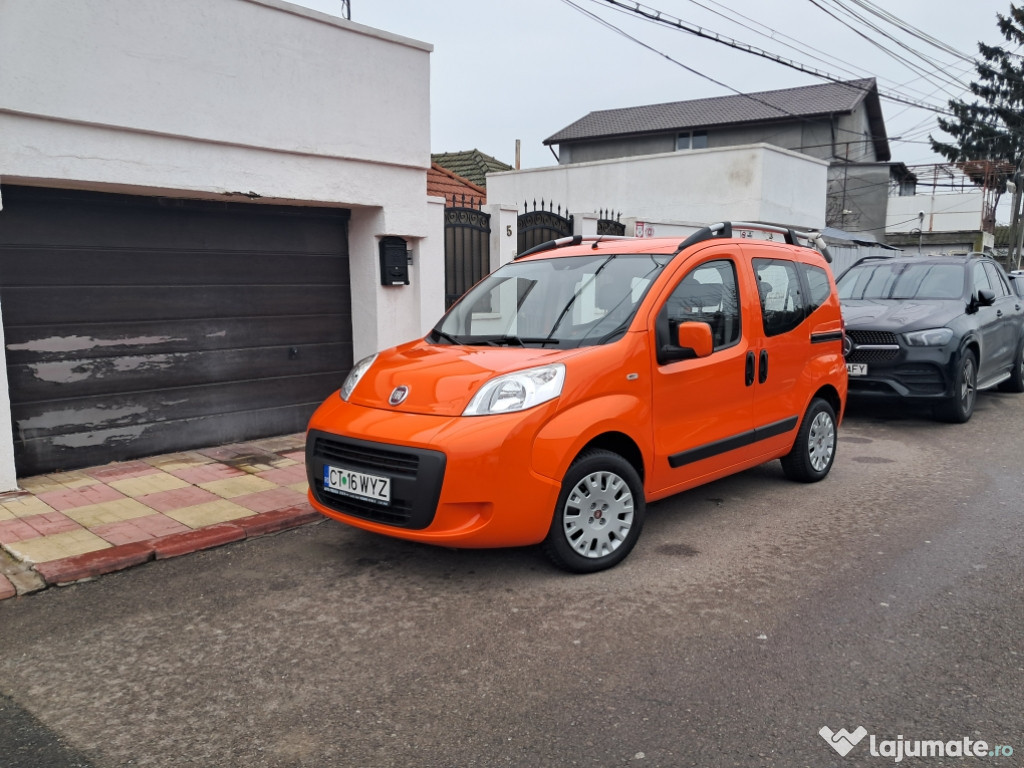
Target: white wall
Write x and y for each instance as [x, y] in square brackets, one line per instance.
[231, 99]
[958, 212]
[756, 182]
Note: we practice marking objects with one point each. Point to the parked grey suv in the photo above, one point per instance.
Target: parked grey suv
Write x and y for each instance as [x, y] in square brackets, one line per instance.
[932, 329]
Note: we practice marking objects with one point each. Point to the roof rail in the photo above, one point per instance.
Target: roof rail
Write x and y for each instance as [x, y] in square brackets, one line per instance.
[563, 242]
[725, 229]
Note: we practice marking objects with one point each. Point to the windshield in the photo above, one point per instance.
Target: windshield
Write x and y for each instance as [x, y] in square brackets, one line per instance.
[571, 301]
[886, 280]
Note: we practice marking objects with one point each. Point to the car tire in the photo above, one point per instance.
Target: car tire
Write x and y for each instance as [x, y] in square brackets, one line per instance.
[814, 450]
[1016, 381]
[959, 408]
[599, 513]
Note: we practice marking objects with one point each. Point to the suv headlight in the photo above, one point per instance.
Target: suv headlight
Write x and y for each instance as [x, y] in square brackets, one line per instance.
[518, 391]
[932, 337]
[355, 375]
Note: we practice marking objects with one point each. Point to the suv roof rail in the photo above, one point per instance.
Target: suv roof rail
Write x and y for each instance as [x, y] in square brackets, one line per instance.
[725, 228]
[562, 242]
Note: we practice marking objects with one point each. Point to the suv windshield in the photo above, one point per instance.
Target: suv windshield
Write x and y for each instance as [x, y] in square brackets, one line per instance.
[570, 301]
[900, 280]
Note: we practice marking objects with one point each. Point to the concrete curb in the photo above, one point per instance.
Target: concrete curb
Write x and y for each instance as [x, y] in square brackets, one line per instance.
[70, 570]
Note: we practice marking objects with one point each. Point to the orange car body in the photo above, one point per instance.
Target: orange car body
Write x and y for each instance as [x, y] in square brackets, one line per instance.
[493, 480]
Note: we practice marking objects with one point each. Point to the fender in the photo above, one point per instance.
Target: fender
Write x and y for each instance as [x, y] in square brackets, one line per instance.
[560, 440]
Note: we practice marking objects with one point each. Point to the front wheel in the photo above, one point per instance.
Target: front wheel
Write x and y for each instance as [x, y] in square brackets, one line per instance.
[599, 513]
[959, 408]
[815, 447]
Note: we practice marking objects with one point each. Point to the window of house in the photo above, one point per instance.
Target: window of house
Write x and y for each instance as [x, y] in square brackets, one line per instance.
[692, 140]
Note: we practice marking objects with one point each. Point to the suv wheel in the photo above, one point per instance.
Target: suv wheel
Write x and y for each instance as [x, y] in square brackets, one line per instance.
[959, 408]
[599, 514]
[1016, 381]
[815, 448]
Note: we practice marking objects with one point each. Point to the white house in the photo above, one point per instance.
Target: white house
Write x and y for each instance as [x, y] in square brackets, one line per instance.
[194, 195]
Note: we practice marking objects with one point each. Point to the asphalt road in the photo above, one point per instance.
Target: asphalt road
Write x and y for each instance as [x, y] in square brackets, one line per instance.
[753, 612]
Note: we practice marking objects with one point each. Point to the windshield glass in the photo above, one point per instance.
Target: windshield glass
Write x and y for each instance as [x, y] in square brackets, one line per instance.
[570, 301]
[883, 280]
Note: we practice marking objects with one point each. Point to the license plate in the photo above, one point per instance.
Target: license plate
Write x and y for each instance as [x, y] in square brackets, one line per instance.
[351, 483]
[857, 369]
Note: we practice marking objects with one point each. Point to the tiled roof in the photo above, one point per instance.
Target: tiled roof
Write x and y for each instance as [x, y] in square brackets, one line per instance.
[453, 188]
[766, 106]
[471, 164]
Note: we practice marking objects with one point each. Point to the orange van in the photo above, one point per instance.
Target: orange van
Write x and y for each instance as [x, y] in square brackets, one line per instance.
[586, 378]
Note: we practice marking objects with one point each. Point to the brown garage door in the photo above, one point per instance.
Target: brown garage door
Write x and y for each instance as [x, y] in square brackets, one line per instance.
[136, 326]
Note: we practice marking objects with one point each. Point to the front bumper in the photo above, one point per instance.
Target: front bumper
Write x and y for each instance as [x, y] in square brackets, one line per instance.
[455, 481]
[915, 373]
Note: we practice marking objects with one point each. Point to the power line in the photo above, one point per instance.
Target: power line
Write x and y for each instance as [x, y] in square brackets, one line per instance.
[656, 16]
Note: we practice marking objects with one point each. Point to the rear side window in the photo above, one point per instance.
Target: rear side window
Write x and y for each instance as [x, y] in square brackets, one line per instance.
[818, 285]
[782, 302]
[998, 283]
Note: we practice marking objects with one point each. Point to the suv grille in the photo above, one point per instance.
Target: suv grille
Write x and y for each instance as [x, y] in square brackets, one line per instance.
[872, 337]
[887, 340]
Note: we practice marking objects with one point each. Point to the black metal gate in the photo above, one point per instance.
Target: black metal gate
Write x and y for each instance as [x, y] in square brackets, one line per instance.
[467, 246]
[539, 225]
[608, 224]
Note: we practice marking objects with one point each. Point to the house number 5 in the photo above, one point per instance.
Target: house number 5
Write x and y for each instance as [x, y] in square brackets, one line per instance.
[508, 230]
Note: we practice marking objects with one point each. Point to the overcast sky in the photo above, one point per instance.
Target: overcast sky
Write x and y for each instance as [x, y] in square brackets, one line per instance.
[503, 70]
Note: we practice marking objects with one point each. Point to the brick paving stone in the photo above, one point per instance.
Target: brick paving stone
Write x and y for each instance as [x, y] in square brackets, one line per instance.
[182, 460]
[108, 512]
[285, 475]
[139, 529]
[179, 498]
[56, 547]
[211, 513]
[80, 497]
[120, 471]
[51, 523]
[297, 456]
[6, 588]
[143, 485]
[268, 501]
[206, 473]
[93, 564]
[27, 507]
[237, 486]
[279, 520]
[193, 541]
[15, 530]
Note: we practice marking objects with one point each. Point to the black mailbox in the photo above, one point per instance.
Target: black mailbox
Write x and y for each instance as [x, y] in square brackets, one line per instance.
[394, 263]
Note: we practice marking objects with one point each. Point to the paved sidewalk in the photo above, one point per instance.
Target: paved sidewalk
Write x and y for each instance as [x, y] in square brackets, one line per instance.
[69, 526]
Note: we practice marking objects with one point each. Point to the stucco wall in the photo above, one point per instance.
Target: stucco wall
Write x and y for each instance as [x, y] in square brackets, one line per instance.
[232, 99]
[756, 182]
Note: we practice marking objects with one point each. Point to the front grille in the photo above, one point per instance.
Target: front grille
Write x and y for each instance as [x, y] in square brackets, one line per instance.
[416, 476]
[872, 337]
[861, 355]
[367, 458]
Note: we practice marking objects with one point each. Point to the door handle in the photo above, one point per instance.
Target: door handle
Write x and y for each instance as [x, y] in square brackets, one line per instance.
[999, 313]
[750, 368]
[762, 368]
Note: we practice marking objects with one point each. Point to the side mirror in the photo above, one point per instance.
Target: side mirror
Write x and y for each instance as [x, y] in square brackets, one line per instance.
[986, 297]
[695, 336]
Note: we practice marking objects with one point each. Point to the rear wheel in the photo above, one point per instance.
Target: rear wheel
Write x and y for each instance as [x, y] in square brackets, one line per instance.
[1016, 381]
[815, 448]
[959, 408]
[599, 514]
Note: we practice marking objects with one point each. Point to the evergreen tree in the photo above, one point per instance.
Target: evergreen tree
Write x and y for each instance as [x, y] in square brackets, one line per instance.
[988, 134]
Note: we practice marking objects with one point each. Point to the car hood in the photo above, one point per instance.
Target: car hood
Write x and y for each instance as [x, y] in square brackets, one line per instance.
[900, 315]
[441, 379]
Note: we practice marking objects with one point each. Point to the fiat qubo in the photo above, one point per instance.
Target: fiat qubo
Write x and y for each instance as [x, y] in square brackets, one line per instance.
[582, 381]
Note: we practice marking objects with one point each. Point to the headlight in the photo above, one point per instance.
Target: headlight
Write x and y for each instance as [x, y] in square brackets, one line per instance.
[933, 337]
[518, 391]
[355, 375]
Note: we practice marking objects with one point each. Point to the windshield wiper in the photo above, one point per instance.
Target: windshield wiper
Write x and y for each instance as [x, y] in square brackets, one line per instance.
[519, 341]
[447, 337]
